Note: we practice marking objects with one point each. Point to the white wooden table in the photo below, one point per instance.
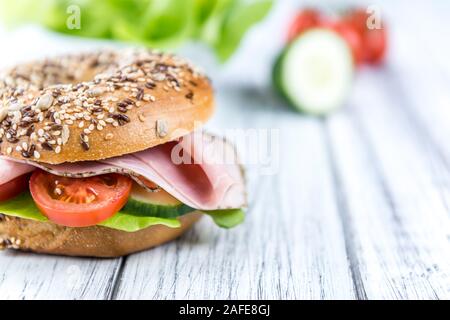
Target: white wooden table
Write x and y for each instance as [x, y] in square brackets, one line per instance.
[359, 208]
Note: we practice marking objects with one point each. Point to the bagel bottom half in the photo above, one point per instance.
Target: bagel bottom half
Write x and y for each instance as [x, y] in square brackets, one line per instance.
[96, 241]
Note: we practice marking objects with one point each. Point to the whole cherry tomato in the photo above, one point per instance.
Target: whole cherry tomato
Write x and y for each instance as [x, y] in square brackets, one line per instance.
[304, 20]
[374, 40]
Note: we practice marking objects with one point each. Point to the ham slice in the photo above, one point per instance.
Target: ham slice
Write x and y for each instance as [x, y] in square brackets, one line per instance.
[201, 171]
[9, 170]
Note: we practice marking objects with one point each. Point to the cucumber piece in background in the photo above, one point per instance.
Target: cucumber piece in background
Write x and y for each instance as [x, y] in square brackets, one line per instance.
[315, 72]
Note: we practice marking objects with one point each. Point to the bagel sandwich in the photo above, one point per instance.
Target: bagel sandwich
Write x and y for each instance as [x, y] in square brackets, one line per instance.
[100, 154]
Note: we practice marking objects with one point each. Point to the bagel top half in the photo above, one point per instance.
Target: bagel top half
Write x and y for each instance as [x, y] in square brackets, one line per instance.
[99, 105]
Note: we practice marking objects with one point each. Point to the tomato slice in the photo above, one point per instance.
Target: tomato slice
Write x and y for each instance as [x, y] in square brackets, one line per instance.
[83, 202]
[14, 187]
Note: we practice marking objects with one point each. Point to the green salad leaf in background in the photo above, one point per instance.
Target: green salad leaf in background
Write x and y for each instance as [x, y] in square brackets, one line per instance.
[221, 24]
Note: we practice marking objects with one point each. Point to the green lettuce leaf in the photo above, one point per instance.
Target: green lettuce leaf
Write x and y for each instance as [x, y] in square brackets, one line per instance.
[131, 223]
[227, 218]
[241, 16]
[24, 207]
[157, 23]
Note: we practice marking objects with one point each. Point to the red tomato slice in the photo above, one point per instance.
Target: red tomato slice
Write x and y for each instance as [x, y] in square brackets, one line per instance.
[304, 20]
[83, 202]
[374, 41]
[14, 187]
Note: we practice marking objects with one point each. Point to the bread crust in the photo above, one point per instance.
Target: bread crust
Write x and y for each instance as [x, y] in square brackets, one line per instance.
[96, 241]
[99, 105]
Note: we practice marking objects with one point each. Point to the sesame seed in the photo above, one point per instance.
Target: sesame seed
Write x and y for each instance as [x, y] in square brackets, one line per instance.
[65, 134]
[58, 149]
[109, 136]
[14, 106]
[84, 142]
[159, 76]
[36, 154]
[44, 102]
[161, 128]
[95, 92]
[3, 114]
[189, 95]
[46, 146]
[150, 85]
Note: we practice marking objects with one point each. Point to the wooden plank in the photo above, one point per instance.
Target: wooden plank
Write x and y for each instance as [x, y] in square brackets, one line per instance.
[31, 276]
[397, 214]
[390, 177]
[291, 245]
[419, 70]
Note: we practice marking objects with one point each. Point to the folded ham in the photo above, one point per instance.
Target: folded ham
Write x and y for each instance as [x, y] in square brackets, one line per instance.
[201, 170]
[10, 170]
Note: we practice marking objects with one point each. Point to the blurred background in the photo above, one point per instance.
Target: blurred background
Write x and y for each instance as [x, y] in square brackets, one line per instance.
[236, 41]
[357, 93]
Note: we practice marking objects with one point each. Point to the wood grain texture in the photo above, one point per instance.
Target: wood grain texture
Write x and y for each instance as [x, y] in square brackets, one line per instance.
[359, 206]
[291, 245]
[396, 213]
[32, 276]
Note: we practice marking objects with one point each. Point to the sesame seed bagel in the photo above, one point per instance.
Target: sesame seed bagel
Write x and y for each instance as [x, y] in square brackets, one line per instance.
[94, 106]
[96, 241]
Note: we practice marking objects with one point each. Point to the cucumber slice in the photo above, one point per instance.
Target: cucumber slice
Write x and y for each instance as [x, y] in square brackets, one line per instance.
[315, 72]
[154, 204]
